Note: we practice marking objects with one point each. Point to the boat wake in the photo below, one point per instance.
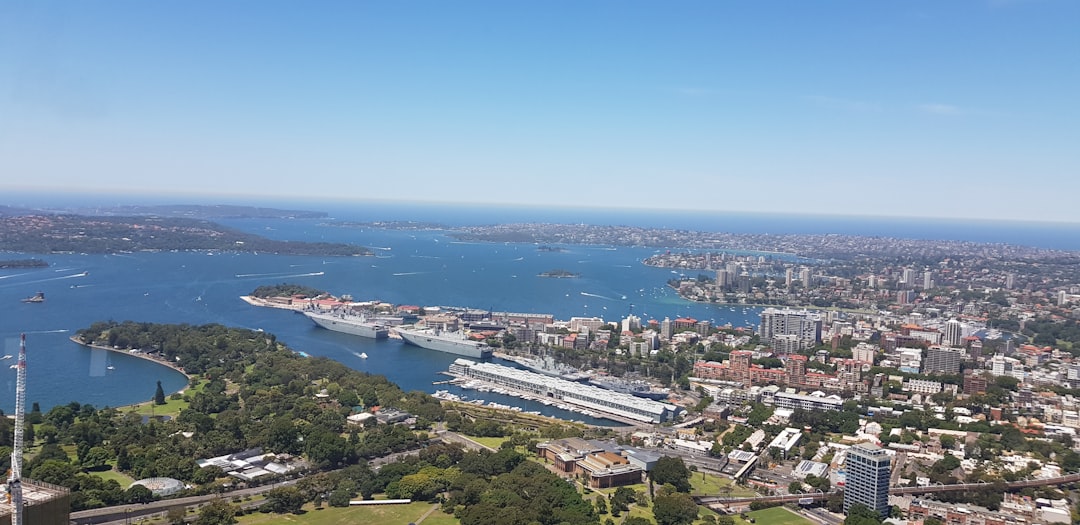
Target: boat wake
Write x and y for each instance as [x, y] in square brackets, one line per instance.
[587, 294]
[278, 274]
[72, 276]
[399, 274]
[60, 331]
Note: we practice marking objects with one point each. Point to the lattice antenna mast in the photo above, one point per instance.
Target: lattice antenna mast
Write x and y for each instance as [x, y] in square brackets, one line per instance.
[15, 480]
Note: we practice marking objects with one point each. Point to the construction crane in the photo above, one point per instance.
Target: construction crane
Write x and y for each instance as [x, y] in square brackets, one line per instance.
[15, 478]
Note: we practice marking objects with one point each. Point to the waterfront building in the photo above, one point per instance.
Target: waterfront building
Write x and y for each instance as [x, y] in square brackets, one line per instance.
[867, 482]
[586, 396]
[585, 324]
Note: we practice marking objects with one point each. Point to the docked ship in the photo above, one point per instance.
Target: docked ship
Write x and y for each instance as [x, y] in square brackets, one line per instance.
[449, 342]
[547, 365]
[638, 388]
[348, 323]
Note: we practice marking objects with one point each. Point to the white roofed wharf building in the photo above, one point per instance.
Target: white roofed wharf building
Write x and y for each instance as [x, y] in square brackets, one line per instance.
[587, 396]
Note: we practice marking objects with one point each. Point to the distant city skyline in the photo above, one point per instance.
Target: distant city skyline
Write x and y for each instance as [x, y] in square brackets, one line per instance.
[910, 109]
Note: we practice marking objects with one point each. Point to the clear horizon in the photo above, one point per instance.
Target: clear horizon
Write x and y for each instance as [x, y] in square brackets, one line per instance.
[963, 110]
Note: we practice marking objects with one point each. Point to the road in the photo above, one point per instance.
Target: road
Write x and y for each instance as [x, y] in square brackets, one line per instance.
[895, 491]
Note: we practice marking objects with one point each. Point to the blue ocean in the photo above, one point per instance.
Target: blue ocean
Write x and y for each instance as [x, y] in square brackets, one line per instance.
[421, 268]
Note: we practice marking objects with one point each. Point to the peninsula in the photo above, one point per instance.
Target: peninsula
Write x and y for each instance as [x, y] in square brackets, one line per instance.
[48, 233]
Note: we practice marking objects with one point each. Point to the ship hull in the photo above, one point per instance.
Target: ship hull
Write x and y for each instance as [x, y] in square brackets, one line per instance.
[349, 326]
[441, 344]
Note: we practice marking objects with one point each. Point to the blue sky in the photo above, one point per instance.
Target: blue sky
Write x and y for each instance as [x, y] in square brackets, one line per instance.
[967, 109]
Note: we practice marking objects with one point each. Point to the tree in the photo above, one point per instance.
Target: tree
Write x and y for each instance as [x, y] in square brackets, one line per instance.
[674, 509]
[284, 500]
[671, 470]
[859, 514]
[159, 395]
[217, 512]
[139, 494]
[725, 520]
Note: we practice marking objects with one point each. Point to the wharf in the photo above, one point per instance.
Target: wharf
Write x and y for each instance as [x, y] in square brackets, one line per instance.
[256, 301]
[532, 397]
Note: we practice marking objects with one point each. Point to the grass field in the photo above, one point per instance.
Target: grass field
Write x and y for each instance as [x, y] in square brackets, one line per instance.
[171, 407]
[712, 485]
[123, 479]
[389, 514]
[492, 442]
[774, 516]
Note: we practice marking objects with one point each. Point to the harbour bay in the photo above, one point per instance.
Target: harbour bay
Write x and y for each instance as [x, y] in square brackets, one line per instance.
[423, 268]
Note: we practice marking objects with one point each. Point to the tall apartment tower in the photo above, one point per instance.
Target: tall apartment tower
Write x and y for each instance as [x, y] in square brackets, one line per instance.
[908, 276]
[789, 277]
[954, 333]
[804, 276]
[867, 478]
[802, 324]
[927, 280]
[940, 360]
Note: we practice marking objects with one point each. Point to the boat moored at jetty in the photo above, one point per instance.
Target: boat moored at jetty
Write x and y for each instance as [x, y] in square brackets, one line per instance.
[348, 323]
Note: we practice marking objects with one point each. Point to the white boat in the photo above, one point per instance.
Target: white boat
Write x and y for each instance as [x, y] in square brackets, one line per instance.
[449, 342]
[363, 355]
[348, 323]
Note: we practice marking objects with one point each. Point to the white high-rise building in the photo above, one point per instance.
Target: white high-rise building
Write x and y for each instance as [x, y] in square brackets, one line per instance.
[804, 276]
[803, 324]
[908, 277]
[927, 280]
[954, 333]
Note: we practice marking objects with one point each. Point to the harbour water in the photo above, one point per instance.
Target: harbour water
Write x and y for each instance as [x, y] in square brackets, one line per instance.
[421, 268]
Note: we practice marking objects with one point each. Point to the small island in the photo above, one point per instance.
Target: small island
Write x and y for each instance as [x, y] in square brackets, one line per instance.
[554, 249]
[559, 274]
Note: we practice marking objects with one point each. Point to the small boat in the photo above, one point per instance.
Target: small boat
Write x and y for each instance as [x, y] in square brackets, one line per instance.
[363, 355]
[9, 356]
[36, 298]
[110, 367]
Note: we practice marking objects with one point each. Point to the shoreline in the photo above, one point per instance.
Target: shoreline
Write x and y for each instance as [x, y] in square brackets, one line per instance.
[756, 305]
[139, 355]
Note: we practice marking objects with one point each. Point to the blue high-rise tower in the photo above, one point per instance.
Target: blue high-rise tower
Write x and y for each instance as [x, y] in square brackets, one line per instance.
[868, 468]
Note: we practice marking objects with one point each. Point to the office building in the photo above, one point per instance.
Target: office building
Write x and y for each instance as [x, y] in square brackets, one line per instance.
[867, 482]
